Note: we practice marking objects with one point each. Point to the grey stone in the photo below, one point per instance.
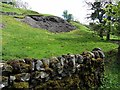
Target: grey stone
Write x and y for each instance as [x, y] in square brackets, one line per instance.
[12, 78]
[25, 77]
[33, 65]
[46, 62]
[1, 65]
[39, 65]
[72, 57]
[96, 53]
[79, 58]
[59, 68]
[99, 50]
[22, 77]
[102, 55]
[72, 61]
[44, 75]
[61, 60]
[6, 69]
[3, 81]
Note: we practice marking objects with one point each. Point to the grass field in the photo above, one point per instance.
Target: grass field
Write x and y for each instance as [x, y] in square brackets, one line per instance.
[20, 40]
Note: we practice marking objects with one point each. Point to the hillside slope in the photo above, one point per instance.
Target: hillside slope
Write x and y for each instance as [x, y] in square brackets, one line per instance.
[19, 40]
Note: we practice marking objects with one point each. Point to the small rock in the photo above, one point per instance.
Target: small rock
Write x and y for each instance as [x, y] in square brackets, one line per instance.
[39, 65]
[44, 75]
[102, 55]
[4, 82]
[12, 78]
[25, 77]
[79, 58]
[15, 65]
[96, 53]
[46, 62]
[61, 60]
[22, 77]
[24, 68]
[7, 69]
[31, 62]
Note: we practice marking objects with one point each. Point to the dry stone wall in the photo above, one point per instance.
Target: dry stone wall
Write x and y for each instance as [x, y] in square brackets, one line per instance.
[80, 71]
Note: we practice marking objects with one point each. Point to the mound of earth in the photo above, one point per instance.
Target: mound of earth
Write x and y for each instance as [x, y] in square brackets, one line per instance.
[51, 23]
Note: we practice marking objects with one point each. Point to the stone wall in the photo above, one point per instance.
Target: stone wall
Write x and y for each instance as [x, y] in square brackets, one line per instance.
[80, 71]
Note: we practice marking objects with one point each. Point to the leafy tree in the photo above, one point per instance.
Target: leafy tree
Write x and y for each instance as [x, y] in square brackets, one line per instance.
[113, 18]
[105, 14]
[21, 4]
[67, 16]
[98, 15]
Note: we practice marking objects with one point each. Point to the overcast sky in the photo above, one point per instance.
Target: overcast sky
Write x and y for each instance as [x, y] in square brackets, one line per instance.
[56, 7]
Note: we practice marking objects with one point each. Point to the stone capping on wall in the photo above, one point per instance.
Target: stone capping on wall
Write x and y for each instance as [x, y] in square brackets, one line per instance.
[67, 71]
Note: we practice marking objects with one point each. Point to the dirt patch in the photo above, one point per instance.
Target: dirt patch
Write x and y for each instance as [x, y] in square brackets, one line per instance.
[50, 23]
[2, 25]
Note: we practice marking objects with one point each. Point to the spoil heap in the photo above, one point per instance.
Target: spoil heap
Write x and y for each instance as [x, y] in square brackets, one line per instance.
[51, 23]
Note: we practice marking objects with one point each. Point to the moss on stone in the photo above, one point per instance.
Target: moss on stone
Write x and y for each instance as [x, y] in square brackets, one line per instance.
[66, 83]
[21, 85]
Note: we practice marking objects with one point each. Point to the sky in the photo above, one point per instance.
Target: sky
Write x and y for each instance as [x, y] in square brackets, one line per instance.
[77, 8]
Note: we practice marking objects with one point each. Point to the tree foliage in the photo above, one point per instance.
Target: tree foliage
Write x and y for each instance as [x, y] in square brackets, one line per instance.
[107, 16]
[21, 4]
[98, 15]
[67, 16]
[113, 18]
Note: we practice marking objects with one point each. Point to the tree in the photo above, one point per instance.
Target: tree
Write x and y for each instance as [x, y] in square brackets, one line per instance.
[21, 4]
[67, 16]
[113, 18]
[105, 14]
[98, 14]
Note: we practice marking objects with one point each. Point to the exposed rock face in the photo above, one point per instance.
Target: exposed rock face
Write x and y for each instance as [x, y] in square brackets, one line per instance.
[51, 23]
[81, 71]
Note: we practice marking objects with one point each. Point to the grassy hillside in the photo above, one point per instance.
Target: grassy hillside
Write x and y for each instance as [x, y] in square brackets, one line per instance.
[20, 41]
[10, 8]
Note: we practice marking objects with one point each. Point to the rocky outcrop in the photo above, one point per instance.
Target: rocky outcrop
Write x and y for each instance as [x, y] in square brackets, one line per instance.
[51, 23]
[80, 71]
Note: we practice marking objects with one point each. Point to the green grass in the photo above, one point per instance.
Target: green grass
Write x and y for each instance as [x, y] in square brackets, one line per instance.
[21, 40]
[112, 74]
[10, 8]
